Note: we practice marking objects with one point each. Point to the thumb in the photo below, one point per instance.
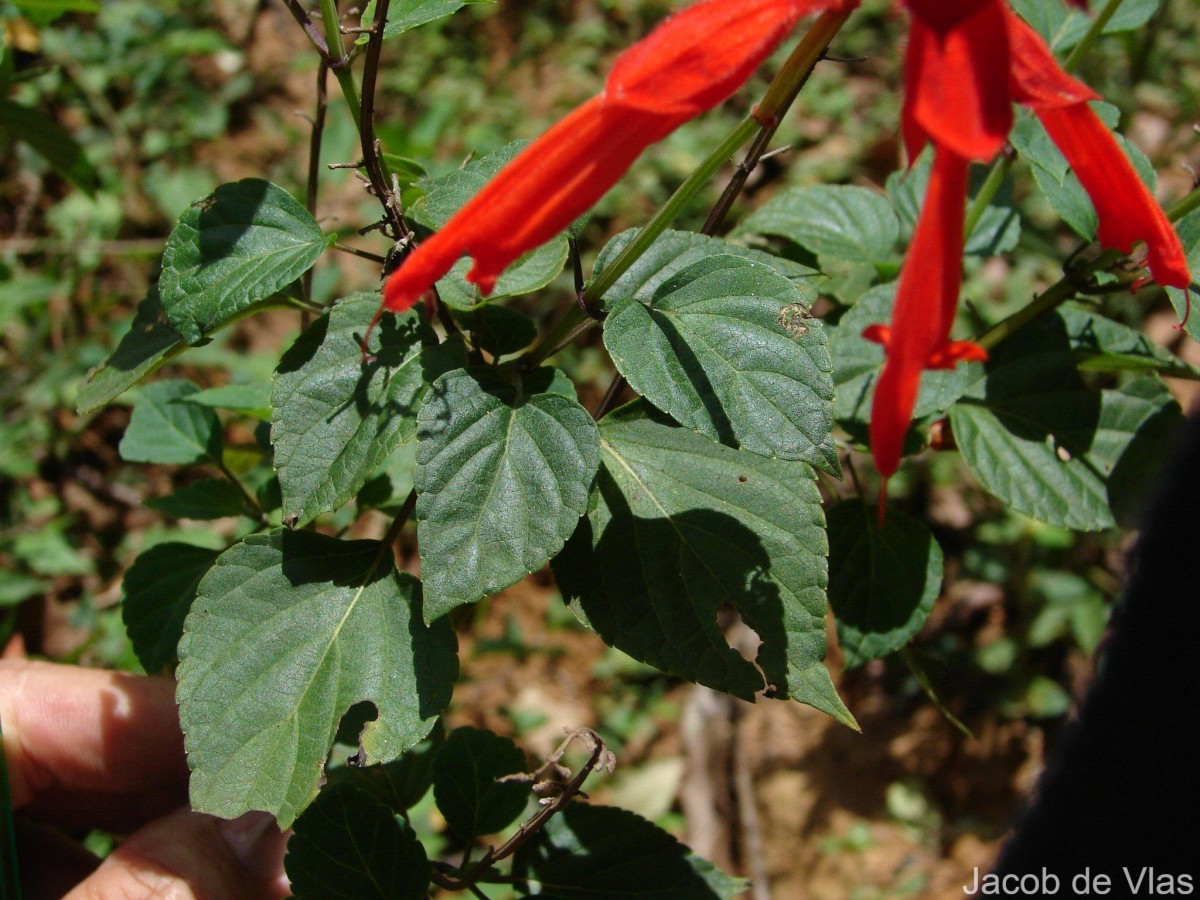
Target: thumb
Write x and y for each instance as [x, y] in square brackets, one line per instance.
[190, 856]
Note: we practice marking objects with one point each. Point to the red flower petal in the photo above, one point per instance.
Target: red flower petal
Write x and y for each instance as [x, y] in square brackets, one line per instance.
[956, 51]
[926, 301]
[688, 64]
[1127, 212]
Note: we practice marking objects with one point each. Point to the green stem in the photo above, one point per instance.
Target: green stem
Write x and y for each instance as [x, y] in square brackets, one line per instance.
[1188, 204]
[662, 220]
[1093, 34]
[780, 94]
[987, 192]
[1054, 296]
[339, 62]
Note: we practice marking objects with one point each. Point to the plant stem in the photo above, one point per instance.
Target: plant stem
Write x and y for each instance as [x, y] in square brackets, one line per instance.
[376, 168]
[662, 220]
[1093, 34]
[1188, 204]
[987, 192]
[339, 61]
[779, 96]
[314, 160]
[249, 499]
[778, 99]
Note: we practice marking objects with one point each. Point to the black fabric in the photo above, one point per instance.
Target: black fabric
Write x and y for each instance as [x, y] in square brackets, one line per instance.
[1121, 795]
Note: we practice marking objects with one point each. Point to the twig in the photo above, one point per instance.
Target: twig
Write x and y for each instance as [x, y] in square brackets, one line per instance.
[551, 806]
[376, 170]
[817, 39]
[363, 254]
[610, 396]
[314, 158]
[313, 32]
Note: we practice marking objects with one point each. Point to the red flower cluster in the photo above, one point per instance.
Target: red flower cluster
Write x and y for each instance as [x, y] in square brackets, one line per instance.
[968, 61]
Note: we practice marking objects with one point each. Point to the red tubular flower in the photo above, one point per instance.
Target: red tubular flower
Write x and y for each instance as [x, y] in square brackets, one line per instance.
[926, 301]
[687, 65]
[967, 62]
[1125, 209]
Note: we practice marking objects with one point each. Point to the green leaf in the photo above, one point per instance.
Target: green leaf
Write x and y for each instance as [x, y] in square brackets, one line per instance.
[16, 588]
[1050, 448]
[252, 399]
[997, 231]
[712, 349]
[1054, 176]
[1102, 345]
[57, 6]
[288, 632]
[405, 15]
[349, 846]
[499, 330]
[158, 591]
[149, 345]
[401, 784]
[680, 526]
[531, 272]
[1188, 229]
[49, 141]
[165, 429]
[675, 251]
[839, 221]
[335, 418]
[503, 475]
[592, 852]
[1064, 27]
[446, 195]
[232, 249]
[857, 361]
[883, 581]
[466, 785]
[210, 498]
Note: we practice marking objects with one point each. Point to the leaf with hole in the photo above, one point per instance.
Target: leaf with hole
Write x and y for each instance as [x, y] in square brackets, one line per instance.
[288, 631]
[678, 527]
[725, 348]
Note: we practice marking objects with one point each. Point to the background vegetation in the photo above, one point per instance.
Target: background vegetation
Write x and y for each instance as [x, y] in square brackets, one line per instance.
[169, 99]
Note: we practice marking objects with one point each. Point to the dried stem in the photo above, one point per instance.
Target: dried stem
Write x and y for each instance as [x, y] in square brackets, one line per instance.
[450, 880]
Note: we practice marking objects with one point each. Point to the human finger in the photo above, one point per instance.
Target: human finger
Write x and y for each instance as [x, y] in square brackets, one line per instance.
[69, 730]
[190, 856]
